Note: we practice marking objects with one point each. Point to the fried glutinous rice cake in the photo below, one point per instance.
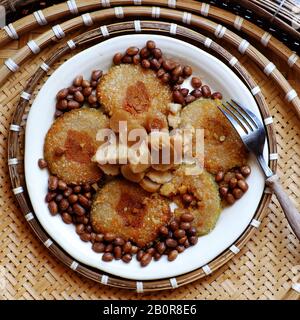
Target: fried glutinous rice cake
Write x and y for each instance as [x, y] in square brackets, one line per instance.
[134, 89]
[223, 148]
[70, 144]
[125, 209]
[206, 204]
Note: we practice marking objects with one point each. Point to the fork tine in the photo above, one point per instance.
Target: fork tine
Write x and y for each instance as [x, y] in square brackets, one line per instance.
[242, 117]
[233, 122]
[237, 117]
[250, 114]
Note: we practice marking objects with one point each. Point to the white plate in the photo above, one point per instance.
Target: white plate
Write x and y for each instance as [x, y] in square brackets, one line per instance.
[233, 221]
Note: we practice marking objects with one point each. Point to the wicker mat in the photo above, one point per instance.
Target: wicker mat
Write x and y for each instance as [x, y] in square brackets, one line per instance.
[265, 268]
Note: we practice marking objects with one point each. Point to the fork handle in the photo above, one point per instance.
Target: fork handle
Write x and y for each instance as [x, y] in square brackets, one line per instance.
[290, 210]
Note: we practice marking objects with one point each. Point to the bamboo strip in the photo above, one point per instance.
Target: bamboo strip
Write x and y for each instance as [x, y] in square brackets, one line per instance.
[62, 10]
[199, 22]
[262, 12]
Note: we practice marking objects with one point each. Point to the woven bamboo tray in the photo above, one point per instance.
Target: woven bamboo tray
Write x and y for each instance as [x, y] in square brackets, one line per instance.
[275, 13]
[244, 277]
[18, 185]
[48, 15]
[58, 32]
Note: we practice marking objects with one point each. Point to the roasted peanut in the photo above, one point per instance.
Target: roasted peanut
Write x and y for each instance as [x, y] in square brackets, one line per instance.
[87, 91]
[193, 240]
[177, 71]
[98, 247]
[196, 93]
[157, 53]
[245, 171]
[237, 193]
[52, 183]
[66, 218]
[62, 94]
[144, 53]
[78, 96]
[136, 59]
[223, 191]
[109, 237]
[80, 228]
[179, 233]
[217, 95]
[127, 247]
[146, 259]
[62, 185]
[230, 198]
[63, 204]
[169, 64]
[192, 231]
[171, 243]
[78, 209]
[132, 51]
[86, 237]
[187, 217]
[189, 99]
[196, 82]
[140, 255]
[151, 45]
[117, 252]
[107, 256]
[53, 207]
[62, 105]
[163, 231]
[127, 59]
[206, 91]
[161, 247]
[172, 255]
[78, 81]
[166, 78]
[117, 58]
[219, 176]
[242, 185]
[187, 71]
[178, 97]
[184, 91]
[145, 64]
[96, 75]
[42, 163]
[185, 225]
[119, 242]
[127, 258]
[233, 183]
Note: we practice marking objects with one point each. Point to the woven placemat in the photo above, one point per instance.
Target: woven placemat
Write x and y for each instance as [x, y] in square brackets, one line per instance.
[265, 268]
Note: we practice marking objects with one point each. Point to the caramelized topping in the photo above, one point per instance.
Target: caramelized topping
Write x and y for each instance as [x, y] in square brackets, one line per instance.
[79, 147]
[137, 98]
[131, 209]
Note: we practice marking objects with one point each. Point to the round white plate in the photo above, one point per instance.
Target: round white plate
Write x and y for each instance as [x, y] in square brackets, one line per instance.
[233, 220]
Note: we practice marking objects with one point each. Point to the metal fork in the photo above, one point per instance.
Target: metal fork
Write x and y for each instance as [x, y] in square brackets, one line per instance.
[253, 135]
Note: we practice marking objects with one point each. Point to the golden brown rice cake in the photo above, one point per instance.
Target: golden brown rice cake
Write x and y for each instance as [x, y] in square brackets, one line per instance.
[70, 144]
[125, 209]
[134, 89]
[223, 147]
